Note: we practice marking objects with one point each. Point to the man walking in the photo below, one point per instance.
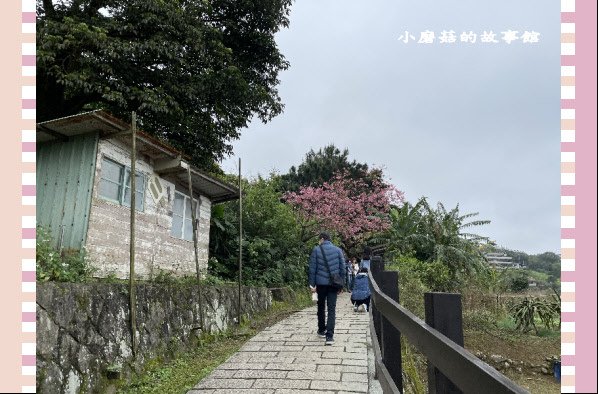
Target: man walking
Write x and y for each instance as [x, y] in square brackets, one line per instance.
[325, 261]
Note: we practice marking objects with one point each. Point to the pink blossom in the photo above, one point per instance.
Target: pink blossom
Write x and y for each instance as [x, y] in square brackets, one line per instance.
[347, 206]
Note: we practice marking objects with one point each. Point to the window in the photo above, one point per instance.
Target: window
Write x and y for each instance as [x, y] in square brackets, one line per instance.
[182, 221]
[115, 184]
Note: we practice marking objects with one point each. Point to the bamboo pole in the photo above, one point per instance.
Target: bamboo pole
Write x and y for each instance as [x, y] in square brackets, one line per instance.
[194, 226]
[239, 309]
[132, 306]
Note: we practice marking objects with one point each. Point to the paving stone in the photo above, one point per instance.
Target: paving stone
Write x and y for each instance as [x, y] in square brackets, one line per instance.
[355, 362]
[241, 356]
[356, 349]
[244, 391]
[336, 376]
[310, 354]
[282, 348]
[293, 366]
[237, 366]
[290, 358]
[282, 383]
[354, 377]
[359, 387]
[260, 374]
[346, 355]
[295, 391]
[342, 368]
[250, 347]
[221, 373]
[217, 383]
[272, 360]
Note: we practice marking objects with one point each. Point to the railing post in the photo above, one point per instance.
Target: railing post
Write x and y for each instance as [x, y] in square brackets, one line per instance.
[391, 337]
[444, 313]
[376, 268]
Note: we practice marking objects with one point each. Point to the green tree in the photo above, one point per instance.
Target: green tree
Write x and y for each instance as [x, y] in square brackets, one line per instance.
[404, 236]
[321, 166]
[437, 235]
[196, 70]
[518, 280]
[273, 253]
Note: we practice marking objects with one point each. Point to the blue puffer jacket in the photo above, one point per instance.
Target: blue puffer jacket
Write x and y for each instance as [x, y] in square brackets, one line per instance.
[336, 263]
[361, 287]
[365, 264]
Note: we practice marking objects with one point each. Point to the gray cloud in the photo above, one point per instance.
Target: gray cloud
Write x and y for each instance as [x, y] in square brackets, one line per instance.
[474, 124]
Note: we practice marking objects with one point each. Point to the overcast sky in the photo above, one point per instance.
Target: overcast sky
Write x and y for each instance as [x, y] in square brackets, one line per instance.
[470, 123]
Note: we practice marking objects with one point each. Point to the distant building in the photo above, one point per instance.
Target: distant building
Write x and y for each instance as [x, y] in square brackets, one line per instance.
[501, 261]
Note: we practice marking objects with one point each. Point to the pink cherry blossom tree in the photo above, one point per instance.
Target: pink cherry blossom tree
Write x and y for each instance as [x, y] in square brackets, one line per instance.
[351, 208]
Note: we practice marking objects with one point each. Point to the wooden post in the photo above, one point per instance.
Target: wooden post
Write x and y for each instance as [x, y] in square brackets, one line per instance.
[376, 269]
[444, 313]
[391, 337]
[194, 226]
[132, 306]
[239, 309]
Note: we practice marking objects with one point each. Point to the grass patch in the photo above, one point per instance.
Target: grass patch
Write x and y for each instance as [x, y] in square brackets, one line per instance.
[188, 368]
[507, 324]
[181, 374]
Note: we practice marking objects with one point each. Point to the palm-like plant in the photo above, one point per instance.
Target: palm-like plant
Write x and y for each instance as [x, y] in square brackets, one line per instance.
[448, 240]
[525, 312]
[435, 235]
[404, 236]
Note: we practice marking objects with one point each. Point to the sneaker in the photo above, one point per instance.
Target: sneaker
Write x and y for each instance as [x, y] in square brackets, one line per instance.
[355, 308]
[322, 334]
[329, 341]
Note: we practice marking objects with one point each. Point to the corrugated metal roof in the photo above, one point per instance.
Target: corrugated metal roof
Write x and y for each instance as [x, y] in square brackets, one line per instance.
[109, 126]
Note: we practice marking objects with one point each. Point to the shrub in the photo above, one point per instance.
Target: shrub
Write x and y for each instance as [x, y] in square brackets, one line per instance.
[411, 286]
[52, 265]
[526, 311]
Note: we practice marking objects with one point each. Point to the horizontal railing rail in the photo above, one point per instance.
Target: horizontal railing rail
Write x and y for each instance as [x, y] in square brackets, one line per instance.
[463, 369]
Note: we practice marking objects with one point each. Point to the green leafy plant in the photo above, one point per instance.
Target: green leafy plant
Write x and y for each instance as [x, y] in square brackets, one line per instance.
[527, 310]
[524, 313]
[52, 265]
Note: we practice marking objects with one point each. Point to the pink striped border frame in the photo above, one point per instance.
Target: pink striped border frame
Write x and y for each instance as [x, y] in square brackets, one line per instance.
[28, 305]
[567, 197]
[574, 15]
[578, 196]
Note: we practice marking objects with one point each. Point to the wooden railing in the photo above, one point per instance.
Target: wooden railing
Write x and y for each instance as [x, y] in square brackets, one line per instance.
[451, 368]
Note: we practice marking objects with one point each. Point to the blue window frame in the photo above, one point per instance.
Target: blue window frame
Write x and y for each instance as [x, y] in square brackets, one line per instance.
[115, 184]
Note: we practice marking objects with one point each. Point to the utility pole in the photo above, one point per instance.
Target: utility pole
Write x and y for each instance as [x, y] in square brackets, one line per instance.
[239, 309]
[132, 307]
[193, 218]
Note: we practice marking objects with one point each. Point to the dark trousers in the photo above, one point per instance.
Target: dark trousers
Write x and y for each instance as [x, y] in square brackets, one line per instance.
[326, 298]
[349, 282]
[359, 302]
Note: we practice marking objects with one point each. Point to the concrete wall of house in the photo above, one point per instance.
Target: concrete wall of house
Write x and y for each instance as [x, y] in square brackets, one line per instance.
[108, 236]
[64, 182]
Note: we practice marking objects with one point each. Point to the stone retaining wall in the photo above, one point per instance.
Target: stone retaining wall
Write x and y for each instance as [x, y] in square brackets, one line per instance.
[83, 329]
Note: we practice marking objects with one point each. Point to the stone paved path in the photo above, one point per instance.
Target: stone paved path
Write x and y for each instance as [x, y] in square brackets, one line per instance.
[290, 358]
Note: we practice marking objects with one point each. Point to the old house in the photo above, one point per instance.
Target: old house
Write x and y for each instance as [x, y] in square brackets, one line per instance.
[84, 195]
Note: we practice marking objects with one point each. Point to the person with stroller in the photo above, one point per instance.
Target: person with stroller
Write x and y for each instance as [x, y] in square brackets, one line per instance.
[361, 291]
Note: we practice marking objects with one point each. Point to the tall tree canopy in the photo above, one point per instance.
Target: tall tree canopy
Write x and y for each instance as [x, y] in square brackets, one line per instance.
[195, 70]
[321, 166]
